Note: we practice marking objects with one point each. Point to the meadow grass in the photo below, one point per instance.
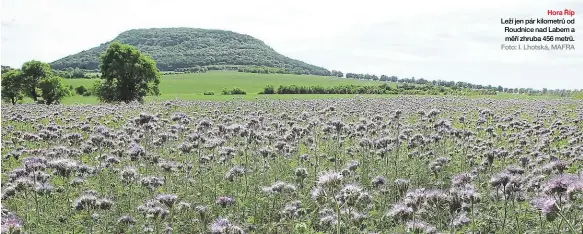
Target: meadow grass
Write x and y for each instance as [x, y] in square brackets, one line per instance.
[191, 86]
[198, 83]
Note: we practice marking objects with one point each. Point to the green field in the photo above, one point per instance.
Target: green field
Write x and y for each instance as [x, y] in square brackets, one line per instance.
[191, 86]
[198, 83]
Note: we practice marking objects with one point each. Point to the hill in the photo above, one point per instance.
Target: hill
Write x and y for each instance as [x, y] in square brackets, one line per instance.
[183, 48]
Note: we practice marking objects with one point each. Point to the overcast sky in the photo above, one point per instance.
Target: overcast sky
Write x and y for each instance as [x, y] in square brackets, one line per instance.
[451, 40]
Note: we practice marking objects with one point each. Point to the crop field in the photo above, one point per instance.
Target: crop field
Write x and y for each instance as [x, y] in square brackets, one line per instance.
[191, 86]
[352, 165]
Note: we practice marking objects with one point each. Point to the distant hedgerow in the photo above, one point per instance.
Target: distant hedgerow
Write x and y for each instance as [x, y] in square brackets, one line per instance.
[269, 89]
[209, 93]
[405, 89]
[234, 91]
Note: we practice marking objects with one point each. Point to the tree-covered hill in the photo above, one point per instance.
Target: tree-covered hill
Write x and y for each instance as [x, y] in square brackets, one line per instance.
[174, 48]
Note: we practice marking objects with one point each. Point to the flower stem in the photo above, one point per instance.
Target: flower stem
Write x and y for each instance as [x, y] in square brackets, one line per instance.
[567, 221]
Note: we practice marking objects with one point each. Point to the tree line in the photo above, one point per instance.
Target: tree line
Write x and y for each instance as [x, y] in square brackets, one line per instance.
[419, 81]
[80, 73]
[464, 85]
[405, 89]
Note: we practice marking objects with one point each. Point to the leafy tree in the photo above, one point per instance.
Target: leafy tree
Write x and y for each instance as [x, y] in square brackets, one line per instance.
[53, 90]
[104, 90]
[80, 90]
[127, 75]
[77, 73]
[12, 86]
[6, 69]
[32, 72]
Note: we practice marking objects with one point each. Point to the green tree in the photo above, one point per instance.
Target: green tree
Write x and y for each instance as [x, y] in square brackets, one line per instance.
[12, 86]
[80, 90]
[128, 74]
[32, 72]
[53, 90]
[77, 73]
[6, 69]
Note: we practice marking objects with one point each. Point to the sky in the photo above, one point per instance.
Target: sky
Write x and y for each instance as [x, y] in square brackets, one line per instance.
[455, 40]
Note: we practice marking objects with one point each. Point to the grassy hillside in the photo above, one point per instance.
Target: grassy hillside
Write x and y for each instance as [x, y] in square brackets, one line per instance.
[174, 48]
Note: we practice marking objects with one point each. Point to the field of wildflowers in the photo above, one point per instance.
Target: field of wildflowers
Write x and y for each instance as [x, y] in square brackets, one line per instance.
[359, 165]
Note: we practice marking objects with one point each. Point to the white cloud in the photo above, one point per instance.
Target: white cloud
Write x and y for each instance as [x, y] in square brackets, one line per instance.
[450, 39]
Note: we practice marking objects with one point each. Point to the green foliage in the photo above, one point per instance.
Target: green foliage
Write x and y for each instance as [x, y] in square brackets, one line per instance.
[234, 91]
[269, 89]
[77, 73]
[53, 90]
[70, 73]
[195, 69]
[32, 72]
[128, 74]
[209, 93]
[12, 86]
[184, 48]
[372, 89]
[80, 90]
[6, 69]
[105, 90]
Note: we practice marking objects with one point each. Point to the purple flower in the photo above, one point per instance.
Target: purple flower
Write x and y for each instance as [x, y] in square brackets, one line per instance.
[547, 205]
[10, 222]
[280, 187]
[461, 220]
[561, 183]
[224, 201]
[378, 181]
[501, 179]
[461, 179]
[400, 211]
[224, 226]
[167, 199]
[419, 226]
[330, 179]
[126, 220]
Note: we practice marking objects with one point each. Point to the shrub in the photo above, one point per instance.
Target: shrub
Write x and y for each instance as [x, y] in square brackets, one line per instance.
[234, 91]
[238, 91]
[209, 93]
[80, 90]
[268, 90]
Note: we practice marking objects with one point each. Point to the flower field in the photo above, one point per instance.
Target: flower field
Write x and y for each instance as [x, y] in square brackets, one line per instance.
[358, 165]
